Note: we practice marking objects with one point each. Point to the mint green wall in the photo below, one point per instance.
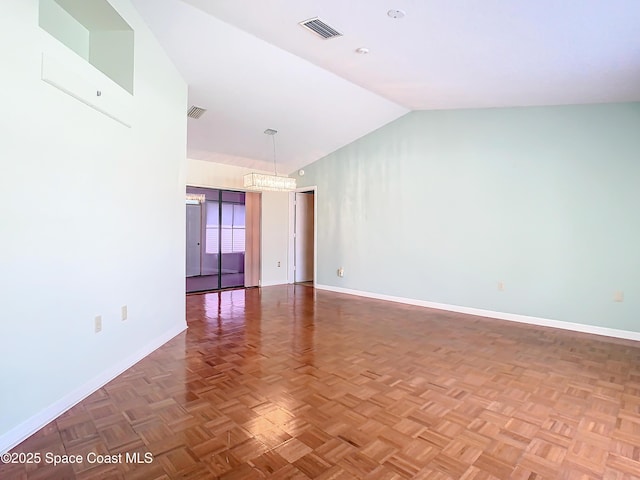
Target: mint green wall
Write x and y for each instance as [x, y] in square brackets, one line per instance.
[59, 23]
[111, 52]
[442, 205]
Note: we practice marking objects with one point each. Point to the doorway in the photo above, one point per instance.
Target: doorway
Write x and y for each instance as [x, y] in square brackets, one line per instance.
[303, 253]
[216, 231]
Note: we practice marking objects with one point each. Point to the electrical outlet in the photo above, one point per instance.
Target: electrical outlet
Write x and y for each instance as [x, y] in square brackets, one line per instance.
[97, 324]
[618, 296]
[341, 272]
[501, 286]
[123, 313]
[278, 264]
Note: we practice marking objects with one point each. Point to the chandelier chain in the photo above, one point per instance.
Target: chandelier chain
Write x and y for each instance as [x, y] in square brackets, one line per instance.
[275, 167]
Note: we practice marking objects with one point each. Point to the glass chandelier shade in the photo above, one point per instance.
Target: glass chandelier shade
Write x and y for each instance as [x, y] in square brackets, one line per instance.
[265, 182]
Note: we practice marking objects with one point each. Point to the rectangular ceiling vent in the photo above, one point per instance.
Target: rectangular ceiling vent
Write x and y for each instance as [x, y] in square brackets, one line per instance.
[320, 28]
[195, 112]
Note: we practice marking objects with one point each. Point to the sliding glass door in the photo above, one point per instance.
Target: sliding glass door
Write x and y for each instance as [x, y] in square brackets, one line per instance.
[194, 229]
[222, 249]
[232, 244]
[211, 250]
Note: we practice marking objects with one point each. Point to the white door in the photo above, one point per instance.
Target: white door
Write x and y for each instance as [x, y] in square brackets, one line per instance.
[304, 237]
[194, 224]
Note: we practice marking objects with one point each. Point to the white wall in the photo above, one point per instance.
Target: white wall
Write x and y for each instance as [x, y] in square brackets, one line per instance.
[275, 238]
[92, 219]
[274, 214]
[202, 173]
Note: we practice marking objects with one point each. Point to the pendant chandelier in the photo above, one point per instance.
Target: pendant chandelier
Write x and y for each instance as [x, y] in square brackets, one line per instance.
[264, 182]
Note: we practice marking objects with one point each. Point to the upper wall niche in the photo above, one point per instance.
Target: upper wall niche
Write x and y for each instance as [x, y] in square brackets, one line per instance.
[96, 32]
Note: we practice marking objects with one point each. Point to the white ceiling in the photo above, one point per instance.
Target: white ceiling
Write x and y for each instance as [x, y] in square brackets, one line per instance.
[253, 67]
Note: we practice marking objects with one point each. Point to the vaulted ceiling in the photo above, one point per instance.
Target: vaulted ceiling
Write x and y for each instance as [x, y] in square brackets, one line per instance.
[253, 67]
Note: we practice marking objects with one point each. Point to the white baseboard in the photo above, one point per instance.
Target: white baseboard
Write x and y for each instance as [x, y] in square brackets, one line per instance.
[27, 428]
[543, 322]
[272, 284]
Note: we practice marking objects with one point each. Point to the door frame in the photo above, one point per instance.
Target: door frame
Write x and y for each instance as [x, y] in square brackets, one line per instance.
[291, 247]
[199, 216]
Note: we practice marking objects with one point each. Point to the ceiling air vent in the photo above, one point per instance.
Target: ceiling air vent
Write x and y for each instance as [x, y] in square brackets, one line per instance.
[195, 112]
[320, 28]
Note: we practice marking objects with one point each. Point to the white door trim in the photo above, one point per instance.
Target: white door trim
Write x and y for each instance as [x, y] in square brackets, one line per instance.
[292, 226]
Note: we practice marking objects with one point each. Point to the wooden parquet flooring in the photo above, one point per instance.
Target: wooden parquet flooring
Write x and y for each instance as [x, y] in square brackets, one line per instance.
[292, 383]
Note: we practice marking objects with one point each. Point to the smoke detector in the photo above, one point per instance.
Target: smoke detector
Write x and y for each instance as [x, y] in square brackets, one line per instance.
[396, 14]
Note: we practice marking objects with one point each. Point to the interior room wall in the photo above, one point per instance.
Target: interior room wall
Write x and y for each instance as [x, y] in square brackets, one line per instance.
[56, 19]
[203, 173]
[93, 220]
[274, 214]
[528, 211]
[275, 238]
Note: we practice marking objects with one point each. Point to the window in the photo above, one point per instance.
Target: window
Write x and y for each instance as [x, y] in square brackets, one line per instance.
[212, 229]
[233, 228]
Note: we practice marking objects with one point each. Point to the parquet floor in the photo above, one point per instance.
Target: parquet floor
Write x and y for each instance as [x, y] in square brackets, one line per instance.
[292, 383]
